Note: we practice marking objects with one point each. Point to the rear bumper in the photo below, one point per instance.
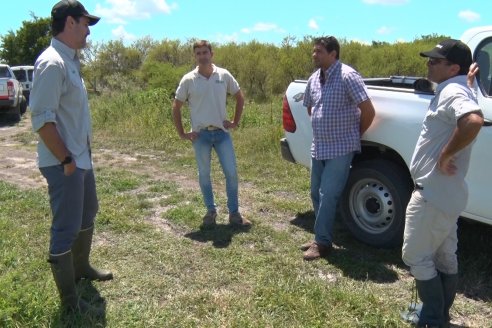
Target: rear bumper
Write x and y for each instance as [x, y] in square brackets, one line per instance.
[7, 102]
[285, 150]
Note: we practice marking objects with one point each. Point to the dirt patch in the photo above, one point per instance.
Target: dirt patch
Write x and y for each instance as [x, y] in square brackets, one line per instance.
[18, 162]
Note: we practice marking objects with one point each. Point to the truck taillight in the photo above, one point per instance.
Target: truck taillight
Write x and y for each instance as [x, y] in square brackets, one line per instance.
[287, 118]
[10, 88]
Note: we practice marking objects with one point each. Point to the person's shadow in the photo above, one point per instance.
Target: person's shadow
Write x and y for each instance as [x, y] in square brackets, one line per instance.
[220, 235]
[355, 259]
[90, 294]
[475, 260]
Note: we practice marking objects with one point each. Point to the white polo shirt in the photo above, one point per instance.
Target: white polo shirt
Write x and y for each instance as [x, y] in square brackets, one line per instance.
[453, 99]
[207, 97]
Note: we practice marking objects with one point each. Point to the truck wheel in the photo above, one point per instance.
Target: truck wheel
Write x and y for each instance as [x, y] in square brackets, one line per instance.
[23, 105]
[16, 116]
[374, 201]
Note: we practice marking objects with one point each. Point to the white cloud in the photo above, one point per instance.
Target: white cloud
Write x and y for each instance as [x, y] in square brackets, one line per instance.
[226, 38]
[262, 27]
[119, 11]
[384, 30]
[121, 34]
[313, 24]
[469, 16]
[385, 2]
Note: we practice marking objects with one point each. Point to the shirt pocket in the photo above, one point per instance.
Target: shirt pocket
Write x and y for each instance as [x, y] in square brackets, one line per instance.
[76, 90]
[336, 97]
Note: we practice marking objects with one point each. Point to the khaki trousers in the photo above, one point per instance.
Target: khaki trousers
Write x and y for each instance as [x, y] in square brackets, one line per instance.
[430, 239]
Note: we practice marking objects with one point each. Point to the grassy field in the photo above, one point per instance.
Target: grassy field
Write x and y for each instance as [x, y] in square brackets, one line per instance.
[169, 273]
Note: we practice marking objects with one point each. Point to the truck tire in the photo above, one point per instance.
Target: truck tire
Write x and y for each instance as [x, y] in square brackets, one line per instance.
[374, 201]
[16, 115]
[23, 105]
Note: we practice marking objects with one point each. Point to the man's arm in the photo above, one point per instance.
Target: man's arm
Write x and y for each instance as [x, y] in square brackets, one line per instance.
[51, 138]
[470, 77]
[367, 114]
[178, 123]
[466, 131]
[237, 113]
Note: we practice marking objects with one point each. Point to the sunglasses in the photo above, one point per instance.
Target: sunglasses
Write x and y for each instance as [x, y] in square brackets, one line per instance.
[437, 61]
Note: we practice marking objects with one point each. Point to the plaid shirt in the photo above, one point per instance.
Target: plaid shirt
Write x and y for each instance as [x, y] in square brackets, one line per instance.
[335, 117]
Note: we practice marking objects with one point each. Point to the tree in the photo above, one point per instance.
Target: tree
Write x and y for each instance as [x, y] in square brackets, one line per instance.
[26, 44]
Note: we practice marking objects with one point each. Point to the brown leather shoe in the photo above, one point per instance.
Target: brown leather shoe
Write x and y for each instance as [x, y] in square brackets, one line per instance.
[238, 220]
[209, 220]
[305, 246]
[315, 251]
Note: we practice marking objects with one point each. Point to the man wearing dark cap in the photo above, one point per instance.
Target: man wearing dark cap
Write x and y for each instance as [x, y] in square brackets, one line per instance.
[439, 165]
[61, 117]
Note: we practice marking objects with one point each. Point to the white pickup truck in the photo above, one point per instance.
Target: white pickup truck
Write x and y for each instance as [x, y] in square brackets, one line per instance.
[379, 186]
[12, 100]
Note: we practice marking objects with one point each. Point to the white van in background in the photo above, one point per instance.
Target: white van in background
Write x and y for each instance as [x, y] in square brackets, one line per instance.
[23, 74]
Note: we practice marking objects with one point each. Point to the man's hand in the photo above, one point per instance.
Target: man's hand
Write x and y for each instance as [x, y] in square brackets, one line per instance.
[191, 136]
[69, 169]
[229, 124]
[446, 164]
[471, 74]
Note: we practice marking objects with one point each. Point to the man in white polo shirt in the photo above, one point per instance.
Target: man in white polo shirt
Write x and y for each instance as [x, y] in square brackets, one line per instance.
[206, 88]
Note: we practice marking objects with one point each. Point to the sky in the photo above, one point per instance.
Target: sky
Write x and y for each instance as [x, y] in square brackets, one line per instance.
[266, 21]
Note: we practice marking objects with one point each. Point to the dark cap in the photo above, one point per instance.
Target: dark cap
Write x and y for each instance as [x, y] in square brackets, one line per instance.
[72, 8]
[452, 50]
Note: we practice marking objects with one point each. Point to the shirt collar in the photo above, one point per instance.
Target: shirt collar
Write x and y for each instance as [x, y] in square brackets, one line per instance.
[63, 48]
[460, 79]
[332, 68]
[213, 71]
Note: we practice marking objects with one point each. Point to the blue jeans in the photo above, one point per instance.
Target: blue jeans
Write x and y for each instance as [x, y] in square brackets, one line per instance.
[222, 143]
[74, 205]
[328, 179]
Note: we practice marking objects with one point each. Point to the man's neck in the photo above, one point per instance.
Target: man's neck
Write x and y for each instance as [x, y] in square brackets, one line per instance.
[206, 70]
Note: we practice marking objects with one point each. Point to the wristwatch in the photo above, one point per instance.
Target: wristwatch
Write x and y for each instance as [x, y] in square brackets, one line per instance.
[68, 159]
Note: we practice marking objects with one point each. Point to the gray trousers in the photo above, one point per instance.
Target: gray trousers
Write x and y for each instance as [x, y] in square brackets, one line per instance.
[74, 205]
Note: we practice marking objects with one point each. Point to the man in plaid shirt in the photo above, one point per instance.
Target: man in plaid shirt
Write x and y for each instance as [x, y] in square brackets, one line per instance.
[341, 111]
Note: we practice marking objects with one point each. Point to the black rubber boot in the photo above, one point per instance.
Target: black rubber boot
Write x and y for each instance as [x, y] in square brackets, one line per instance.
[62, 269]
[449, 287]
[81, 249]
[431, 295]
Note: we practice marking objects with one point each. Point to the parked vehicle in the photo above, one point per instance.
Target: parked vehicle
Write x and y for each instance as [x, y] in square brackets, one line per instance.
[23, 74]
[12, 101]
[379, 186]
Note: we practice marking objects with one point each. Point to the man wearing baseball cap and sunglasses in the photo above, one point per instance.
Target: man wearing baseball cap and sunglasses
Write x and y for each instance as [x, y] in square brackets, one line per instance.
[439, 165]
[61, 117]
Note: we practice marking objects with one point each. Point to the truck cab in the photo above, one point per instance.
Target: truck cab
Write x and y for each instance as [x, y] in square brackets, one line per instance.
[23, 74]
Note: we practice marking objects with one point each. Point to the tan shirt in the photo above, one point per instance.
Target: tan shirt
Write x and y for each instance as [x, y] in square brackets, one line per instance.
[207, 97]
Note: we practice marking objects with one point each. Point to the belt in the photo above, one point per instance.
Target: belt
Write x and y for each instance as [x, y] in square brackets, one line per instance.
[418, 187]
[211, 128]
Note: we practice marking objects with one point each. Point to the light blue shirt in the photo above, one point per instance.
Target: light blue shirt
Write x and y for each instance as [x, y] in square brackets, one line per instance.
[58, 95]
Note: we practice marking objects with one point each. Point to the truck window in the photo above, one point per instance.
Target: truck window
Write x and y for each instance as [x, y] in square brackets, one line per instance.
[20, 75]
[4, 72]
[484, 77]
[30, 71]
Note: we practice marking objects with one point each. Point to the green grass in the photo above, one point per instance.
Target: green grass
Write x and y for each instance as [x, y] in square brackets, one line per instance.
[170, 273]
